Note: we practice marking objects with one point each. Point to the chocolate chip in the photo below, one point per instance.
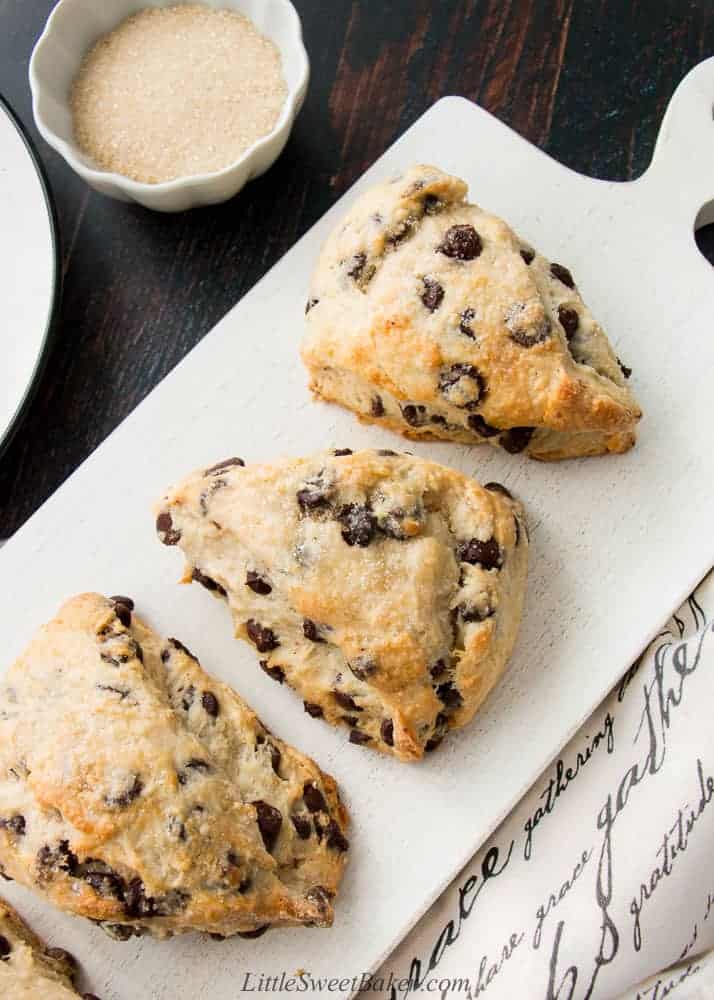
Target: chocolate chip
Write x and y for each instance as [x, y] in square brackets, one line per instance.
[358, 737]
[357, 265]
[499, 488]
[517, 528]
[461, 243]
[450, 695]
[359, 525]
[270, 821]
[314, 799]
[562, 274]
[336, 838]
[516, 439]
[102, 878]
[438, 668]
[228, 463]
[386, 731]
[414, 414]
[123, 613]
[126, 797]
[350, 720]
[436, 418]
[311, 631]
[363, 667]
[257, 583]
[127, 602]
[377, 406]
[263, 638]
[15, 824]
[165, 528]
[387, 453]
[432, 204]
[302, 826]
[5, 948]
[569, 320]
[251, 935]
[526, 327]
[465, 320]
[433, 294]
[488, 554]
[315, 494]
[433, 743]
[528, 255]
[58, 858]
[463, 385]
[310, 304]
[277, 673]
[626, 372]
[346, 701]
[210, 704]
[137, 903]
[341, 452]
[479, 425]
[207, 582]
[399, 233]
[360, 271]
[314, 710]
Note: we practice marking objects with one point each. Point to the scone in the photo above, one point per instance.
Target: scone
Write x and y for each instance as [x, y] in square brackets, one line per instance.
[28, 969]
[431, 317]
[385, 589]
[140, 792]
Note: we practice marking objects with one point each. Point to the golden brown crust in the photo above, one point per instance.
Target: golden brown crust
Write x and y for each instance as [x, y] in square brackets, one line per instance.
[355, 576]
[459, 337]
[137, 791]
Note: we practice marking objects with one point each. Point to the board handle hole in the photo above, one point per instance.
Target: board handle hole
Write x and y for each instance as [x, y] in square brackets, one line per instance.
[704, 229]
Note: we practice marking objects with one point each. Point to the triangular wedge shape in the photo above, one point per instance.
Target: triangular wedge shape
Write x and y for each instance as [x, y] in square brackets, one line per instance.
[385, 589]
[140, 792]
[29, 970]
[431, 317]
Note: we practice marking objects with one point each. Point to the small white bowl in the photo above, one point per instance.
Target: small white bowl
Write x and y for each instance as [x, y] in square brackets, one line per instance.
[74, 26]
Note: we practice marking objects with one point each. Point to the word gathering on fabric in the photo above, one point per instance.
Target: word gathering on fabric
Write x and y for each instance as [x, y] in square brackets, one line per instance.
[631, 737]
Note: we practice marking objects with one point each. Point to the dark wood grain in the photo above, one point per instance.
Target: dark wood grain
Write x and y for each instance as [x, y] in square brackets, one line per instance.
[587, 80]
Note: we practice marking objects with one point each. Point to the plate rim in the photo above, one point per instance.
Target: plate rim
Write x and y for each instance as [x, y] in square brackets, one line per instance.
[51, 327]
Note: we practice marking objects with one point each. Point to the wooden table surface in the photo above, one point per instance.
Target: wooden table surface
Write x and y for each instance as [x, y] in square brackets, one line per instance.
[587, 80]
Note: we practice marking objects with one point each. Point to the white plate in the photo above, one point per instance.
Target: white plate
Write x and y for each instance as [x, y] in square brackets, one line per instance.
[29, 271]
[617, 542]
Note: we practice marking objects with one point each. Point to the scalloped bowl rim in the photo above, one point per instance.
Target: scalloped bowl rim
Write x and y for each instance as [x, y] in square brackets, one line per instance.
[288, 114]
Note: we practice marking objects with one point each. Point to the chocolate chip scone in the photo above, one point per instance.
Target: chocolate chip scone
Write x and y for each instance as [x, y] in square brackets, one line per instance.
[29, 970]
[431, 317]
[385, 589]
[140, 792]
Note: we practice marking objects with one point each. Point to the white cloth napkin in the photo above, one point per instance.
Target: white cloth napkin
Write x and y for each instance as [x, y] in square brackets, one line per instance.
[604, 873]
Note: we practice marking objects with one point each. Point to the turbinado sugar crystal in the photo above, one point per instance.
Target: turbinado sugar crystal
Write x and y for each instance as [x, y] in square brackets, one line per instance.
[176, 91]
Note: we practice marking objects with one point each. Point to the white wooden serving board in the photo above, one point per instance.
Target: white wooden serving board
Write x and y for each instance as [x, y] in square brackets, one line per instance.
[617, 542]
